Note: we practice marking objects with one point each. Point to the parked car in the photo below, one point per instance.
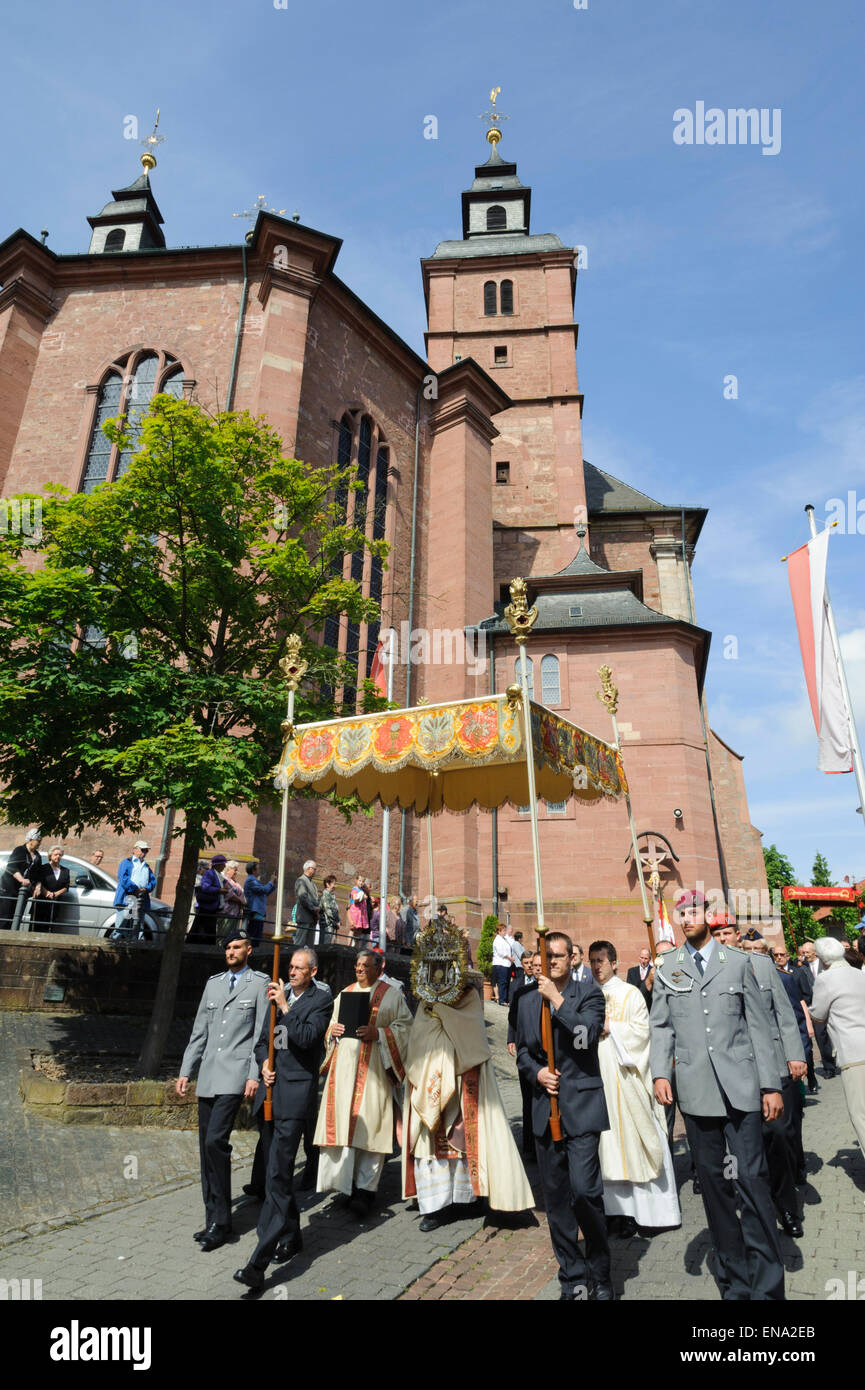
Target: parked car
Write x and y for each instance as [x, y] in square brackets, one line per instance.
[88, 908]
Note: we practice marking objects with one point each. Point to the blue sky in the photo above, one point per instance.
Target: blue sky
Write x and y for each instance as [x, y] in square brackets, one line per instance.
[704, 261]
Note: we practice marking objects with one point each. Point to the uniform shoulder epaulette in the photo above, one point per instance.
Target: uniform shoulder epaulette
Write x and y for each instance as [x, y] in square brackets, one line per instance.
[740, 951]
[260, 975]
[217, 975]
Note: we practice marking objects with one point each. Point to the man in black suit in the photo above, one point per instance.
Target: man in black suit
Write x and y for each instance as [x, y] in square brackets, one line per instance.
[531, 969]
[641, 976]
[570, 1170]
[579, 970]
[302, 1019]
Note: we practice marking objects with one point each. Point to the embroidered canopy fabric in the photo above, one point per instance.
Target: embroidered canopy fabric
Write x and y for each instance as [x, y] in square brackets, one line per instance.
[451, 757]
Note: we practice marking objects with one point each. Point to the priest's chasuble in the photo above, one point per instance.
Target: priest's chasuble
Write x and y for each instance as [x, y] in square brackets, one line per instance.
[635, 1157]
[454, 1109]
[357, 1106]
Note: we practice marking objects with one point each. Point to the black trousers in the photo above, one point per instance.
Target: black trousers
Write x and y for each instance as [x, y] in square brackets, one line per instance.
[528, 1136]
[780, 1156]
[574, 1199]
[280, 1218]
[824, 1043]
[748, 1256]
[265, 1139]
[216, 1116]
[793, 1116]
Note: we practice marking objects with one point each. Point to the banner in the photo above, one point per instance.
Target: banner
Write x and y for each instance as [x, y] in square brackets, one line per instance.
[826, 896]
[806, 570]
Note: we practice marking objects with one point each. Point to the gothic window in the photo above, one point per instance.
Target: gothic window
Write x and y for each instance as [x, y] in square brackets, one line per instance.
[551, 685]
[497, 219]
[531, 667]
[490, 297]
[343, 459]
[507, 296]
[115, 239]
[127, 389]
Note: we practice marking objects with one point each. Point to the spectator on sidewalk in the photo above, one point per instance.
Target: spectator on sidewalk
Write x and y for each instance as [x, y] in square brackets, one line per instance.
[53, 880]
[641, 976]
[410, 920]
[97, 857]
[503, 962]
[135, 882]
[256, 893]
[358, 918]
[19, 881]
[308, 905]
[234, 901]
[328, 920]
[208, 902]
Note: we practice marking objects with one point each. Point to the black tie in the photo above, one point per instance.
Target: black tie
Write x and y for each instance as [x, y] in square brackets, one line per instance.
[698, 961]
[233, 982]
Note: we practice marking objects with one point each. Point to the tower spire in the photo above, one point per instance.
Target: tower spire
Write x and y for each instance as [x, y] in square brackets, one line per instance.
[493, 118]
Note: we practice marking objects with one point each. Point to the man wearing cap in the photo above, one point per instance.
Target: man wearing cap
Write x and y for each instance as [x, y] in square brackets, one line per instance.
[135, 882]
[227, 1027]
[708, 1021]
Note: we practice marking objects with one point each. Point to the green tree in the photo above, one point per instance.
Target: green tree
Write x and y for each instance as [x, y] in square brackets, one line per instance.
[485, 945]
[798, 920]
[139, 658]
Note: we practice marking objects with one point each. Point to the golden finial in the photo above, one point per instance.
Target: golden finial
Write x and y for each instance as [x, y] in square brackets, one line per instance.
[148, 159]
[610, 696]
[518, 616]
[494, 135]
[292, 665]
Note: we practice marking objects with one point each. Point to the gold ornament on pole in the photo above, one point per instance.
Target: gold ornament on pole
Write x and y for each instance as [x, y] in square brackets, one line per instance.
[494, 135]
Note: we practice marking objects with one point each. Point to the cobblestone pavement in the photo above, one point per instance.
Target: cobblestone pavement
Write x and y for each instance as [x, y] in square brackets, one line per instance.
[143, 1248]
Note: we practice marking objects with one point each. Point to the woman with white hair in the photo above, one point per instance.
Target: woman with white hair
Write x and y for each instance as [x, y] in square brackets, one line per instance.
[235, 898]
[839, 1002]
[20, 880]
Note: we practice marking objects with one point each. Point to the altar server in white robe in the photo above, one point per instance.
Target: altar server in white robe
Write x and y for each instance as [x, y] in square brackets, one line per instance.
[636, 1162]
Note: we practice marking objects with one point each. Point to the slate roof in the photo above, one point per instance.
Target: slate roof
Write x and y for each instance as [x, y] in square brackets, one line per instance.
[498, 244]
[604, 493]
[598, 608]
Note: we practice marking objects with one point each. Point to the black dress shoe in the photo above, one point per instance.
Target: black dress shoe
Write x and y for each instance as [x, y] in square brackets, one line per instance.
[361, 1203]
[214, 1236]
[790, 1224]
[199, 1235]
[287, 1249]
[604, 1293]
[251, 1191]
[432, 1221]
[698, 1186]
[251, 1276]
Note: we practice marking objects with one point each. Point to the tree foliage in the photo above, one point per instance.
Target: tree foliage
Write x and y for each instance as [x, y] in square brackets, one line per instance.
[139, 657]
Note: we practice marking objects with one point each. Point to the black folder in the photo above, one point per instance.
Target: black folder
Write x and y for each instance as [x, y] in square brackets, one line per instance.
[354, 1012]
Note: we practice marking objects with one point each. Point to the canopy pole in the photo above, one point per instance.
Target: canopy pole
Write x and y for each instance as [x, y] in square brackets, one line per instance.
[609, 696]
[293, 667]
[521, 619]
[385, 821]
[429, 854]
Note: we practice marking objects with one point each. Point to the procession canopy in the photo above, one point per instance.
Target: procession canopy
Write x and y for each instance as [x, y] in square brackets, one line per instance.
[451, 757]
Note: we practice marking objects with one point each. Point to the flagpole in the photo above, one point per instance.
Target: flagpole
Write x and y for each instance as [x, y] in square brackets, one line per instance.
[385, 822]
[855, 746]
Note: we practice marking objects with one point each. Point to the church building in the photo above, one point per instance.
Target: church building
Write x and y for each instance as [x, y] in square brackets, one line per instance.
[474, 473]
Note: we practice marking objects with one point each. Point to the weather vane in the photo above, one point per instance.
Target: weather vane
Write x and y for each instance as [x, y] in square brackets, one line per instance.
[494, 135]
[149, 158]
[260, 205]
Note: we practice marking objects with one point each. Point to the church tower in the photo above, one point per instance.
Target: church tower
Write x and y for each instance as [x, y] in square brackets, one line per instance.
[504, 297]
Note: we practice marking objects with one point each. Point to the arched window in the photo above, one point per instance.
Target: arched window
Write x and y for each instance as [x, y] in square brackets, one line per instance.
[497, 219]
[551, 685]
[343, 459]
[490, 297]
[363, 438]
[127, 389]
[531, 667]
[507, 293]
[115, 239]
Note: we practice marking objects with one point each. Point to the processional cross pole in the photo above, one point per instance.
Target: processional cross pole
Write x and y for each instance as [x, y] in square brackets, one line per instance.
[293, 667]
[609, 696]
[521, 619]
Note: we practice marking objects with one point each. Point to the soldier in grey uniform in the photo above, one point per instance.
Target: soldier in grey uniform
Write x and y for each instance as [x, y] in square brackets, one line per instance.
[227, 1026]
[707, 1018]
[782, 1138]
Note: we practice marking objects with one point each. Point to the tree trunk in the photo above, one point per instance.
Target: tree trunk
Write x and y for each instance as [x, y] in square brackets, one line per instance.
[169, 974]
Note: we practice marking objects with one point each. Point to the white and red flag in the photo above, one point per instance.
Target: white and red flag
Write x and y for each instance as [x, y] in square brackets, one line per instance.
[806, 569]
[663, 925]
